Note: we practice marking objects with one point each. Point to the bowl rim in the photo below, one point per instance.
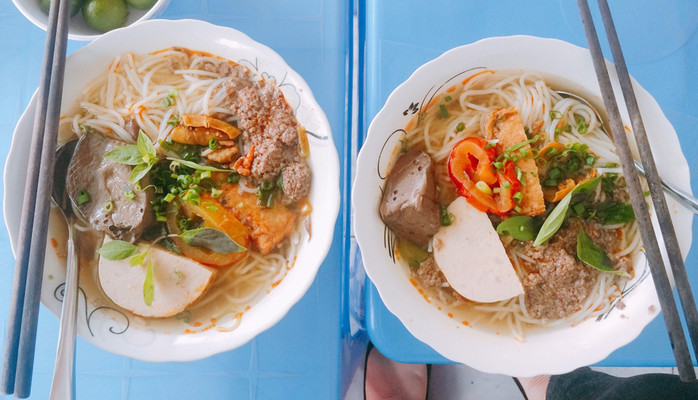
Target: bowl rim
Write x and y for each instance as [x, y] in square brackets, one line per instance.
[155, 9]
[379, 130]
[330, 193]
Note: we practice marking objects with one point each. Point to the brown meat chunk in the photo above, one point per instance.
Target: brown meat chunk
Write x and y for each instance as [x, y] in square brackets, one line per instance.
[106, 183]
[295, 180]
[505, 124]
[268, 226]
[558, 284]
[429, 273]
[409, 205]
[268, 123]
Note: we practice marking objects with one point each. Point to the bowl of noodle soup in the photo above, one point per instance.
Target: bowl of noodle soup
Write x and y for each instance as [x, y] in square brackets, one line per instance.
[124, 88]
[548, 312]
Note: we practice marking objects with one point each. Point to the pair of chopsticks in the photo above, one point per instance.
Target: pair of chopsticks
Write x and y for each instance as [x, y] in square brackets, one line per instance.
[18, 358]
[649, 238]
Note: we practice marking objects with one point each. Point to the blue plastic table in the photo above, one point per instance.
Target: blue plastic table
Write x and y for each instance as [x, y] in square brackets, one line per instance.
[661, 48]
[300, 357]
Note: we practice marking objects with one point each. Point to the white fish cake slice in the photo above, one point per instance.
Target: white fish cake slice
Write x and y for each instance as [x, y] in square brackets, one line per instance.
[472, 258]
[178, 282]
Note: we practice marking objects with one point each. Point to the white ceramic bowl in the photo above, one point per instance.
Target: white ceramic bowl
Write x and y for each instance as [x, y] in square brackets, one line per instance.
[550, 351]
[79, 30]
[165, 339]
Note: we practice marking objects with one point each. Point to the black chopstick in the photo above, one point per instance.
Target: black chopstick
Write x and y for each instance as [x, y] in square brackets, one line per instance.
[18, 358]
[671, 243]
[677, 338]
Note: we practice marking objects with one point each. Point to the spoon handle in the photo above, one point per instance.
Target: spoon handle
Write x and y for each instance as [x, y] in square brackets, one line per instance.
[682, 197]
[63, 384]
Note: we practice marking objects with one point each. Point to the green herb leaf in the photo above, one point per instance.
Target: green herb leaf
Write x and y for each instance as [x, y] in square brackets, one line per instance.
[520, 227]
[149, 285]
[139, 171]
[557, 216]
[128, 154]
[138, 259]
[211, 239]
[615, 213]
[199, 166]
[593, 255]
[146, 148]
[117, 250]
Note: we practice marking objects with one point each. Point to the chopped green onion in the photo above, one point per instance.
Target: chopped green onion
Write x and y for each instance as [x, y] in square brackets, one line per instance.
[166, 102]
[215, 193]
[109, 207]
[460, 127]
[448, 98]
[506, 185]
[213, 144]
[173, 121]
[446, 217]
[484, 187]
[567, 128]
[554, 173]
[518, 196]
[129, 195]
[590, 160]
[555, 114]
[522, 144]
[205, 174]
[579, 208]
[443, 110]
[83, 197]
[234, 177]
[169, 197]
[581, 125]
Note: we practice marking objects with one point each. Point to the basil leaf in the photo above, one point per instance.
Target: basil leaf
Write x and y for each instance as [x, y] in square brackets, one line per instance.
[615, 213]
[149, 285]
[138, 259]
[117, 250]
[593, 255]
[211, 239]
[146, 148]
[128, 154]
[520, 227]
[557, 216]
[139, 171]
[554, 220]
[199, 166]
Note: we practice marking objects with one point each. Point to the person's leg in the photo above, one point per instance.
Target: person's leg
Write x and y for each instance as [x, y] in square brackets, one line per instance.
[585, 383]
[390, 380]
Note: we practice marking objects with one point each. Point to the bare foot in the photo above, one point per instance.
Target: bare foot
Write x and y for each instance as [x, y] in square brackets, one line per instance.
[535, 387]
[391, 380]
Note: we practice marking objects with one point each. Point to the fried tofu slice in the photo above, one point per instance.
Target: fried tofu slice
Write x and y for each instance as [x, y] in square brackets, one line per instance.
[268, 226]
[505, 124]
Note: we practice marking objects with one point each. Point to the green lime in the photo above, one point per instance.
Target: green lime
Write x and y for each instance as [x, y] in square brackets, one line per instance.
[141, 4]
[74, 6]
[105, 15]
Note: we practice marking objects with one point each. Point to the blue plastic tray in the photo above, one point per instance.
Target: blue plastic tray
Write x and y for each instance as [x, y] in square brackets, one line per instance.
[661, 50]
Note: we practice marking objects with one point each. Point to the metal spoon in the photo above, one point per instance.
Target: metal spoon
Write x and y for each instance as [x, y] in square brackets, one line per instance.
[63, 384]
[682, 197]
